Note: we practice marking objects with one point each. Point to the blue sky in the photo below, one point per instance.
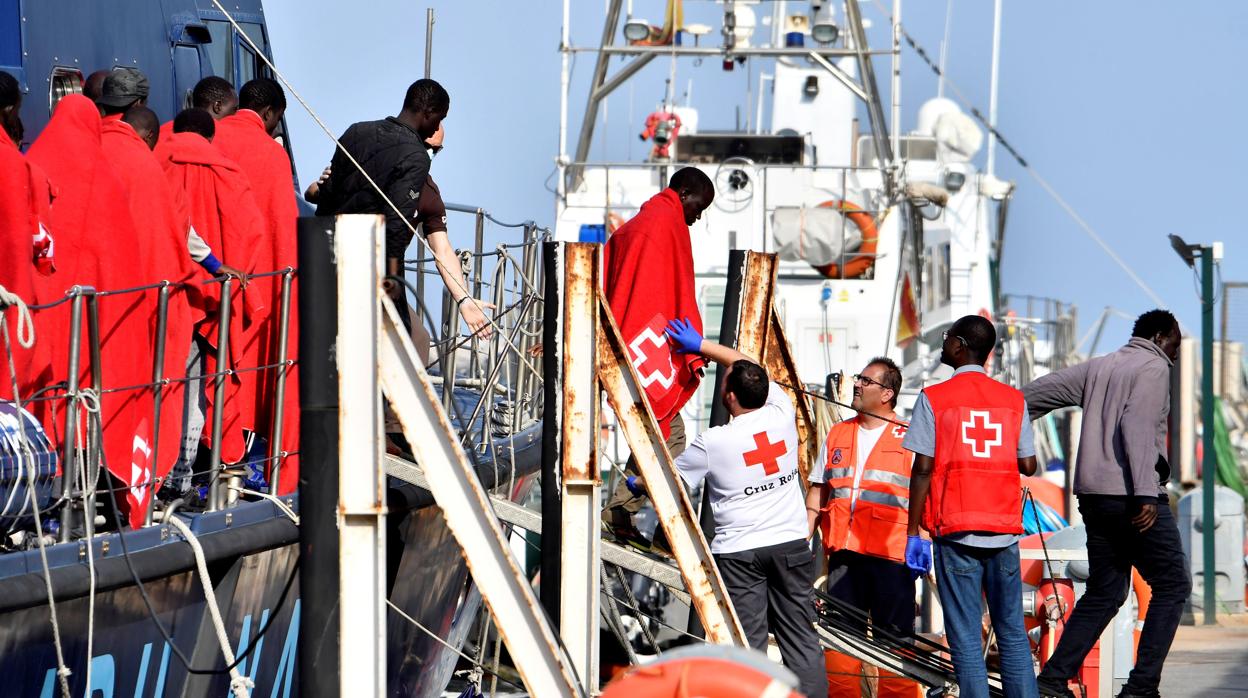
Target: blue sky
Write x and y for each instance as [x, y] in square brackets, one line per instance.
[1129, 108]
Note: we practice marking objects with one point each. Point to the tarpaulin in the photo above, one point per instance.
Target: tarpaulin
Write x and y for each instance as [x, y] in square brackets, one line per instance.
[648, 282]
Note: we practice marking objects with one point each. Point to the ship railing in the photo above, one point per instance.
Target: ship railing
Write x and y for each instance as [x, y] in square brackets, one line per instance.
[867, 193]
[72, 410]
[501, 370]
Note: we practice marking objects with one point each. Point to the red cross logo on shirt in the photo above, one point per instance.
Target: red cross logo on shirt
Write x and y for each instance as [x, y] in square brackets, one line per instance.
[981, 436]
[766, 454]
[652, 358]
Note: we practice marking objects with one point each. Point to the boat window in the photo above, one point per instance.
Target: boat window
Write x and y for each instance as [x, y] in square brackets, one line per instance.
[64, 81]
[221, 49]
[10, 34]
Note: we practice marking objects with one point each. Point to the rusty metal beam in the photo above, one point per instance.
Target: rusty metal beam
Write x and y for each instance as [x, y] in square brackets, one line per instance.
[579, 555]
[778, 360]
[666, 489]
[760, 334]
[523, 517]
[758, 293]
[545, 670]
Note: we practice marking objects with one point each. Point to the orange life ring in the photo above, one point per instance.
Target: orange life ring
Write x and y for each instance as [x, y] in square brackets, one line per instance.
[865, 258]
[697, 676]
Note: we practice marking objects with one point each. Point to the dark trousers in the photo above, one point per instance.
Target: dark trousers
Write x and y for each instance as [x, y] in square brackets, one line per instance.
[883, 589]
[623, 504]
[1114, 547]
[772, 589]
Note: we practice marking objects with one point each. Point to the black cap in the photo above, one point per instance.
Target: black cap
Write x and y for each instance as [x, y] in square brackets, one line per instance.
[122, 87]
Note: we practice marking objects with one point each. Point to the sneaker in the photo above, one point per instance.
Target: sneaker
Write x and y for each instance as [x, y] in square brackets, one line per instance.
[1129, 692]
[1054, 688]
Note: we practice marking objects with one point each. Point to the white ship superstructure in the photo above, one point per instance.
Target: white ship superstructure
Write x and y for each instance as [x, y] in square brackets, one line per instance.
[851, 286]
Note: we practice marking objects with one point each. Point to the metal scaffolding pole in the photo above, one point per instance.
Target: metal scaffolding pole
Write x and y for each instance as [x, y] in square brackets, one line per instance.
[581, 506]
[530, 639]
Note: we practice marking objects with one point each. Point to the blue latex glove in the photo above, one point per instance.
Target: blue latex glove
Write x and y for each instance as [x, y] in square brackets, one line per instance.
[687, 339]
[918, 555]
[635, 486]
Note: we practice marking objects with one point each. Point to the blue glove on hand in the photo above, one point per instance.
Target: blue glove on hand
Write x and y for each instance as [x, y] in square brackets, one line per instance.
[638, 489]
[687, 339]
[918, 555]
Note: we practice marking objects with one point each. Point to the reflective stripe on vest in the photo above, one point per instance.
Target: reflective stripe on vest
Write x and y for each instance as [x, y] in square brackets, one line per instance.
[875, 522]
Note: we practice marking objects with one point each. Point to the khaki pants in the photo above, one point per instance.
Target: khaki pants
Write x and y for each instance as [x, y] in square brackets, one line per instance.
[623, 504]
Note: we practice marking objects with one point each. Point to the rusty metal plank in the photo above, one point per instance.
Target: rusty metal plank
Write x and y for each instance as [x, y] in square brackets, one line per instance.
[760, 334]
[667, 492]
[581, 577]
[545, 670]
[778, 360]
[758, 292]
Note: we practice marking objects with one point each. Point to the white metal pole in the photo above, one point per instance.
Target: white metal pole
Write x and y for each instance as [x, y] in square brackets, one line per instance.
[992, 89]
[466, 507]
[361, 477]
[896, 86]
[565, 77]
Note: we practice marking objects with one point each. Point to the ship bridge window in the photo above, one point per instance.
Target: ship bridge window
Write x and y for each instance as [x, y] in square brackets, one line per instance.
[912, 148]
[762, 149]
[63, 82]
[231, 56]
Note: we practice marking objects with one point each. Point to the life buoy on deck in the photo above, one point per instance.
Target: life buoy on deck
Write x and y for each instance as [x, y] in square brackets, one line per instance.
[720, 673]
[865, 257]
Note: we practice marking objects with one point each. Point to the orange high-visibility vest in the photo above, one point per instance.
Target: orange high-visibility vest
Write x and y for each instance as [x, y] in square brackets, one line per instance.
[975, 481]
[876, 523]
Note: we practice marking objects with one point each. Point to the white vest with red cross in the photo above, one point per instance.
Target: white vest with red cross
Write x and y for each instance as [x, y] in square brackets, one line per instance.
[873, 522]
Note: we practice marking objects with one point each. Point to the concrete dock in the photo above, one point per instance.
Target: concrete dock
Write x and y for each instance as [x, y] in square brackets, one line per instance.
[1208, 661]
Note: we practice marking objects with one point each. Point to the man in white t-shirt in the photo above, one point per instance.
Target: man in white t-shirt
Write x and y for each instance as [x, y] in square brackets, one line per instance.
[760, 546]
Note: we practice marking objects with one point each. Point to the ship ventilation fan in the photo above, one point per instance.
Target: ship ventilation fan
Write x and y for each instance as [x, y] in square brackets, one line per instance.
[734, 184]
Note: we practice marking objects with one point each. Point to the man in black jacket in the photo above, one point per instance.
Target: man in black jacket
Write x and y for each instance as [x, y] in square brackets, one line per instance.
[393, 153]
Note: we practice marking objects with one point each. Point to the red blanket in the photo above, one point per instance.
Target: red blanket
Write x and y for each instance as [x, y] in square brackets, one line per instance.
[243, 139]
[25, 252]
[163, 226]
[99, 245]
[649, 281]
[224, 213]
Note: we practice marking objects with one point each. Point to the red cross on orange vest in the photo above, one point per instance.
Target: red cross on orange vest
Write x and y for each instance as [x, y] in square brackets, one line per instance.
[767, 454]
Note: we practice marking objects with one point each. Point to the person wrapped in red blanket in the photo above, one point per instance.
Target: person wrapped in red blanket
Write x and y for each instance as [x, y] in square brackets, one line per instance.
[246, 137]
[159, 210]
[648, 280]
[98, 245]
[25, 245]
[225, 216]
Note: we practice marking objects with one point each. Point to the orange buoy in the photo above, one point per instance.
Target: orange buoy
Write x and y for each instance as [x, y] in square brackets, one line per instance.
[865, 257]
[701, 674]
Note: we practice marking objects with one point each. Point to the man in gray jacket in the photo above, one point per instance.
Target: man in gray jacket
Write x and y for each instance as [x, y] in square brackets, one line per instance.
[1120, 480]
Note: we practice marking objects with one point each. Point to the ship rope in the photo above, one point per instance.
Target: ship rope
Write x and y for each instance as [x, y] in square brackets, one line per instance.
[239, 684]
[1023, 163]
[479, 665]
[26, 457]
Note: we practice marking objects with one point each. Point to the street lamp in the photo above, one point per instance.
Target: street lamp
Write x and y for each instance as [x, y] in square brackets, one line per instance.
[1209, 255]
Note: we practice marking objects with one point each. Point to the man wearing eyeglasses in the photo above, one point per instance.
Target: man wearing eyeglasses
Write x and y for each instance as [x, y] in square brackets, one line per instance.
[971, 438]
[858, 498]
